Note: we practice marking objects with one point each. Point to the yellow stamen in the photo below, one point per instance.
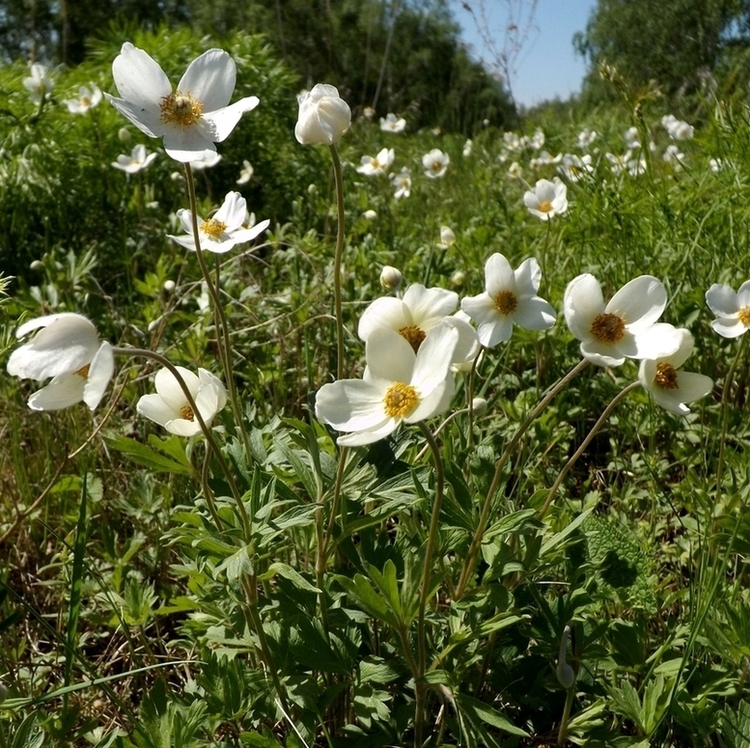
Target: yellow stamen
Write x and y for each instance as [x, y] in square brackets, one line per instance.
[414, 336]
[83, 372]
[181, 109]
[213, 228]
[545, 206]
[666, 376]
[608, 328]
[400, 400]
[187, 413]
[506, 302]
[744, 316]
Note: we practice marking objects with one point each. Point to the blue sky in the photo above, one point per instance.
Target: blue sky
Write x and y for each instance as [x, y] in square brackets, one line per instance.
[546, 66]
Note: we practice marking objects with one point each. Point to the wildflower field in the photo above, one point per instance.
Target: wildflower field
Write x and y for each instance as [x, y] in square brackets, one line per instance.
[319, 430]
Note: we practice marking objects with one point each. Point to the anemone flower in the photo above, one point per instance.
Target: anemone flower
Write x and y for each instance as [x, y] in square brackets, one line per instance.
[190, 118]
[398, 386]
[547, 199]
[392, 123]
[416, 315]
[39, 84]
[435, 163]
[87, 99]
[625, 327]
[732, 310]
[374, 165]
[67, 349]
[170, 408]
[221, 232]
[323, 116]
[138, 160]
[509, 296]
[669, 387]
[402, 183]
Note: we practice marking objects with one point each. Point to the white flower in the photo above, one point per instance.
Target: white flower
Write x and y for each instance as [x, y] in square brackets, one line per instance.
[509, 296]
[246, 173]
[512, 143]
[545, 158]
[447, 237]
[637, 166]
[38, 84]
[575, 168]
[390, 278]
[502, 157]
[547, 199]
[208, 160]
[402, 183]
[391, 123]
[370, 215]
[416, 315]
[716, 165]
[398, 386]
[671, 388]
[66, 348]
[435, 163]
[190, 118]
[537, 140]
[632, 138]
[468, 145]
[323, 116]
[672, 155]
[515, 170]
[368, 112]
[668, 121]
[732, 310]
[618, 164]
[625, 327]
[87, 99]
[170, 408]
[138, 160]
[586, 138]
[221, 232]
[372, 165]
[682, 131]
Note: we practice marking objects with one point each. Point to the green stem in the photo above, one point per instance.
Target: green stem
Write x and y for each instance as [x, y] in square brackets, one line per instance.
[337, 263]
[725, 413]
[167, 364]
[572, 461]
[476, 542]
[340, 470]
[425, 591]
[563, 732]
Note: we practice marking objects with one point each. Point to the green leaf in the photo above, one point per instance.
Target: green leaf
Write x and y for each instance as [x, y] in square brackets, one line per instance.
[28, 734]
[286, 571]
[143, 455]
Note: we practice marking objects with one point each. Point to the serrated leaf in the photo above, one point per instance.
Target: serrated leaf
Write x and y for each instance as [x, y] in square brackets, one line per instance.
[286, 571]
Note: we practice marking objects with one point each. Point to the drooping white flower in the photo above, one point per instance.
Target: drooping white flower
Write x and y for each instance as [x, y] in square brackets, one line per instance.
[416, 315]
[447, 237]
[509, 297]
[170, 408]
[575, 168]
[87, 99]
[402, 183]
[586, 137]
[732, 310]
[398, 386]
[190, 118]
[669, 387]
[435, 163]
[39, 84]
[323, 116]
[625, 327]
[547, 199]
[226, 228]
[138, 160]
[392, 123]
[66, 349]
[375, 165]
[246, 173]
[632, 138]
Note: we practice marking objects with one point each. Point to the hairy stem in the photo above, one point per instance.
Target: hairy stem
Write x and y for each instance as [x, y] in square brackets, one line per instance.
[337, 263]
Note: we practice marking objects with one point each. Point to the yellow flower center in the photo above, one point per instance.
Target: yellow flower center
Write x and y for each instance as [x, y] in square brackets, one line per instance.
[186, 412]
[545, 206]
[744, 316]
[414, 336]
[608, 328]
[400, 400]
[506, 302]
[83, 372]
[437, 166]
[666, 376]
[86, 101]
[213, 228]
[181, 109]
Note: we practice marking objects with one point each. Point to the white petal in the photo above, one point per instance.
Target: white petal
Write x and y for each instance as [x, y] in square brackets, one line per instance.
[480, 308]
[582, 302]
[495, 332]
[528, 275]
[242, 236]
[743, 295]
[722, 300]
[350, 405]
[183, 427]
[690, 387]
[148, 121]
[684, 349]
[210, 78]
[534, 313]
[169, 388]
[434, 358]
[389, 357]
[601, 354]
[232, 211]
[360, 438]
[139, 79]
[640, 302]
[208, 379]
[100, 372]
[223, 121]
[657, 341]
[186, 143]
[429, 305]
[729, 327]
[63, 391]
[384, 312]
[467, 346]
[498, 275]
[154, 408]
[435, 403]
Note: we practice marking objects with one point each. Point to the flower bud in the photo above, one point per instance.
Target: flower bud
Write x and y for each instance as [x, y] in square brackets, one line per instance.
[323, 116]
[168, 286]
[124, 135]
[447, 237]
[390, 278]
[458, 278]
[370, 215]
[36, 265]
[479, 406]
